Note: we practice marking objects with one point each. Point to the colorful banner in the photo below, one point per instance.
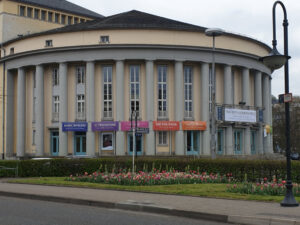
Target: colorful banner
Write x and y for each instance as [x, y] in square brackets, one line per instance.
[166, 125]
[126, 125]
[193, 125]
[105, 126]
[75, 126]
[240, 115]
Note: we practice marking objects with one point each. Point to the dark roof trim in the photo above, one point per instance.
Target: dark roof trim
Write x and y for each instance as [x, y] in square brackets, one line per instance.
[62, 5]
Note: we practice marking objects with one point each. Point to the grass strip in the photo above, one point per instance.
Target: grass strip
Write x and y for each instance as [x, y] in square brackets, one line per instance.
[200, 190]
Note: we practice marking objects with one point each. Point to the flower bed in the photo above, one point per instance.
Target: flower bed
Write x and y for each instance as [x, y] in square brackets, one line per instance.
[151, 178]
[264, 187]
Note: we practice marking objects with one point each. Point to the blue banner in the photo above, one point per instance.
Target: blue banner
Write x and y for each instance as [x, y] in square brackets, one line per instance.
[75, 126]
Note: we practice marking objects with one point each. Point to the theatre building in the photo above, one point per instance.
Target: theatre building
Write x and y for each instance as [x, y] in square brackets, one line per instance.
[78, 90]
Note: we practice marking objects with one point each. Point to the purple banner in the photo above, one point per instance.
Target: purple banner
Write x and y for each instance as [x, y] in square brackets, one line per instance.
[126, 125]
[105, 126]
[74, 126]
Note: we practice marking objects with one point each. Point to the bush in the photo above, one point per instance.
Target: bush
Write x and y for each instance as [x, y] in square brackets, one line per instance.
[240, 169]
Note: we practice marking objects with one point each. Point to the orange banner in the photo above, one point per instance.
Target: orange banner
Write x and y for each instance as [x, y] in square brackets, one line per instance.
[193, 125]
[166, 125]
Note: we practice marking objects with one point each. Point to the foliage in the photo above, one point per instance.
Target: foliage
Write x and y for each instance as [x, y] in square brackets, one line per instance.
[155, 177]
[253, 169]
[273, 188]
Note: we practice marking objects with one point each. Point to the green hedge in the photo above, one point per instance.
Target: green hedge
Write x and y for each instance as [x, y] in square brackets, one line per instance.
[240, 168]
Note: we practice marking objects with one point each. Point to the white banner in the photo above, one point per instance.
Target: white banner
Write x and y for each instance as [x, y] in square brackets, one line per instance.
[240, 115]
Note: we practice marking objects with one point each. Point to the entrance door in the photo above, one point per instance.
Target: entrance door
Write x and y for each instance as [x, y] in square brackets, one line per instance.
[54, 142]
[220, 142]
[238, 142]
[193, 142]
[139, 144]
[80, 143]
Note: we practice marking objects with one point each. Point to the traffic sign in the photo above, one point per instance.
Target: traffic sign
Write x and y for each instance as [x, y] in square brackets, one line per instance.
[142, 130]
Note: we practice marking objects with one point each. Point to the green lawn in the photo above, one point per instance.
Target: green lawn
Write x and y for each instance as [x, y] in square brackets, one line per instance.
[204, 190]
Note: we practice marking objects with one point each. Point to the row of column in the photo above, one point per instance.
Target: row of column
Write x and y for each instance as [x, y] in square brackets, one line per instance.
[261, 98]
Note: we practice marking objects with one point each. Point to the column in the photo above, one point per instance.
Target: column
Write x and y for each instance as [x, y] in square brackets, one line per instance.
[179, 106]
[21, 113]
[39, 110]
[246, 99]
[228, 100]
[258, 104]
[150, 138]
[205, 107]
[63, 108]
[267, 111]
[10, 114]
[90, 107]
[120, 135]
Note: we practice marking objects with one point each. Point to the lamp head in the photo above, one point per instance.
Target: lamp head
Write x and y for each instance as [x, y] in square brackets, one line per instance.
[274, 60]
[214, 32]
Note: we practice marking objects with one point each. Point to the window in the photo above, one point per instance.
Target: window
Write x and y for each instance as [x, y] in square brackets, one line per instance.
[107, 141]
[43, 15]
[50, 16]
[232, 85]
[12, 51]
[69, 20]
[48, 43]
[56, 18]
[33, 137]
[34, 80]
[107, 91]
[63, 19]
[135, 89]
[80, 107]
[33, 109]
[55, 77]
[192, 142]
[104, 39]
[188, 92]
[163, 138]
[82, 20]
[76, 20]
[29, 12]
[22, 10]
[162, 91]
[36, 13]
[55, 111]
[80, 75]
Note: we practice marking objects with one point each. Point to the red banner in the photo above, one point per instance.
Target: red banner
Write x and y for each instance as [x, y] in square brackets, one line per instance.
[166, 125]
[193, 125]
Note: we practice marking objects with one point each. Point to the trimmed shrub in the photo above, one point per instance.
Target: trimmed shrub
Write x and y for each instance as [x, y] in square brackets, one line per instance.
[241, 169]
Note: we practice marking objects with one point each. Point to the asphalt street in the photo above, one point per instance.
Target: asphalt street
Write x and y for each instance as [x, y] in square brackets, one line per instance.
[15, 211]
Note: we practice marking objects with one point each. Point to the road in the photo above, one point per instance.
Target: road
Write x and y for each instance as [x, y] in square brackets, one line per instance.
[15, 211]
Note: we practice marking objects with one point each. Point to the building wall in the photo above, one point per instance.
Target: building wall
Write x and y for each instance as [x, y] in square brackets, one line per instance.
[149, 37]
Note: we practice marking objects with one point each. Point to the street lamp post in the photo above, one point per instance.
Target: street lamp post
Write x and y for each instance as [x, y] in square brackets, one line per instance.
[133, 130]
[274, 61]
[213, 32]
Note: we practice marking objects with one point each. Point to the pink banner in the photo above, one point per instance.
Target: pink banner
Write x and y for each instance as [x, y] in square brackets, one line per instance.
[126, 125]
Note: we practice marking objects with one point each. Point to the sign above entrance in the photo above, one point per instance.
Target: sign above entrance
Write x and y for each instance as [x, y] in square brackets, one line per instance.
[105, 126]
[126, 125]
[193, 125]
[74, 126]
[166, 125]
[239, 115]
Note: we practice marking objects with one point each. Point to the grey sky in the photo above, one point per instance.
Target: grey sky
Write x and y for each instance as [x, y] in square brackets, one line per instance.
[247, 17]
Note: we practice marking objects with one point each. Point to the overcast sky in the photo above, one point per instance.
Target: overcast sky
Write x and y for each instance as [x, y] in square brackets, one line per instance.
[247, 17]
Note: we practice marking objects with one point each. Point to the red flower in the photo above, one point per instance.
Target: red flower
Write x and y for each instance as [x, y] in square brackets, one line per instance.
[284, 182]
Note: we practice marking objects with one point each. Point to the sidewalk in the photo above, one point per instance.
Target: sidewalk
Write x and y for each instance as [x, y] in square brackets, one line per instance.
[232, 211]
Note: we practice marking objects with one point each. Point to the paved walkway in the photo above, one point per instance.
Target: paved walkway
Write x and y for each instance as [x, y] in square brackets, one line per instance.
[233, 211]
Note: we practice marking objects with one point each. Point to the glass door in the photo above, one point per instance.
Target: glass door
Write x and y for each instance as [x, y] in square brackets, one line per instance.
[54, 142]
[80, 143]
[139, 144]
[238, 142]
[192, 142]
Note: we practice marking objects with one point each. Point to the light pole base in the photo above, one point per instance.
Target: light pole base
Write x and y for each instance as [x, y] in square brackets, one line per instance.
[289, 200]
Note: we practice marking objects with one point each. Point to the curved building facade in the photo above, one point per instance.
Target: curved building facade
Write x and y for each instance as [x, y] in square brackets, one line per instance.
[79, 90]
